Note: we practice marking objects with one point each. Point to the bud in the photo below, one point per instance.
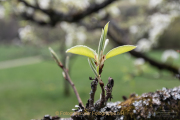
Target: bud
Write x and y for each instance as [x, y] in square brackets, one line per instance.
[64, 75]
[54, 55]
[76, 105]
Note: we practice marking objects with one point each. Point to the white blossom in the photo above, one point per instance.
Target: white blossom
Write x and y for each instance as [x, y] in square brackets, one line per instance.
[132, 1]
[2, 12]
[32, 2]
[73, 33]
[102, 13]
[68, 27]
[26, 34]
[41, 16]
[69, 39]
[154, 3]
[143, 45]
[44, 3]
[173, 5]
[114, 11]
[169, 55]
[158, 18]
[23, 32]
[133, 29]
[159, 22]
[174, 13]
[29, 10]
[20, 7]
[81, 4]
[81, 37]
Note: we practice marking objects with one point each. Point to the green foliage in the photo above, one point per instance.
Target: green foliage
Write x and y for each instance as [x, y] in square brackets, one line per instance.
[102, 40]
[93, 66]
[119, 50]
[82, 50]
[99, 57]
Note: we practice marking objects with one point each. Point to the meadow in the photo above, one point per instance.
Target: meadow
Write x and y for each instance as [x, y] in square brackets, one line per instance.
[32, 91]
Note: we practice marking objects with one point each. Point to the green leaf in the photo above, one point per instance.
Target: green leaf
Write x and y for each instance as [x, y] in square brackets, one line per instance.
[119, 50]
[97, 69]
[82, 50]
[106, 42]
[102, 39]
[93, 66]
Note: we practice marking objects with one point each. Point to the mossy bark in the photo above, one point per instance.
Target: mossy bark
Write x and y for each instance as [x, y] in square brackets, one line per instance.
[163, 104]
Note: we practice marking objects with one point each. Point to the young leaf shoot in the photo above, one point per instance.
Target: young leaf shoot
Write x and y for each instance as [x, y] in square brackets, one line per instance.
[96, 60]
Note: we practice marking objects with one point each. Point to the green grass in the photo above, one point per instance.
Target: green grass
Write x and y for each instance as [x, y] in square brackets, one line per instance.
[30, 92]
[8, 52]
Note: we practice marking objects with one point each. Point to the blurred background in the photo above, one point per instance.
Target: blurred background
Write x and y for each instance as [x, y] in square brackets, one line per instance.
[32, 85]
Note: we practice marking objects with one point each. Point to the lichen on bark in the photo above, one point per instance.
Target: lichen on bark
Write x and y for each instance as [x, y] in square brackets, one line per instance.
[162, 104]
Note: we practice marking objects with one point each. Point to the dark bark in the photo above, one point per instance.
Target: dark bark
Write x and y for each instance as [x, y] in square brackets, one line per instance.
[118, 35]
[162, 105]
[94, 84]
[108, 89]
[56, 16]
[116, 38]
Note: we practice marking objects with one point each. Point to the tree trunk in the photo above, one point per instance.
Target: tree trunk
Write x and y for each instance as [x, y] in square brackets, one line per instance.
[63, 56]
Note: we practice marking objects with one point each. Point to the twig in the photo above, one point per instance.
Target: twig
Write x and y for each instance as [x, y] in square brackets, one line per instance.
[101, 102]
[72, 85]
[67, 77]
[92, 93]
[108, 89]
[102, 99]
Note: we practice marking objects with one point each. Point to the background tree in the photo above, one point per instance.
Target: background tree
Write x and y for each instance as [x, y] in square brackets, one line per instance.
[159, 19]
[147, 24]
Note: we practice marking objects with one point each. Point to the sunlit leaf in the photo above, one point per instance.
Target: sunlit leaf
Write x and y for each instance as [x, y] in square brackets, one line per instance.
[82, 50]
[119, 50]
[93, 66]
[102, 39]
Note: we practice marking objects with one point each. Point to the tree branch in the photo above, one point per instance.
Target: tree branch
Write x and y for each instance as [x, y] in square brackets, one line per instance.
[158, 65]
[31, 18]
[56, 17]
[72, 85]
[67, 77]
[163, 104]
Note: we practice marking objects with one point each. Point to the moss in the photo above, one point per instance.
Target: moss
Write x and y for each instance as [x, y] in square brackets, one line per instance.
[162, 104]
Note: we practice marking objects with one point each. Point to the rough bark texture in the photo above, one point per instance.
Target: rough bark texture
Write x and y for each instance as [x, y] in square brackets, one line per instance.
[163, 104]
